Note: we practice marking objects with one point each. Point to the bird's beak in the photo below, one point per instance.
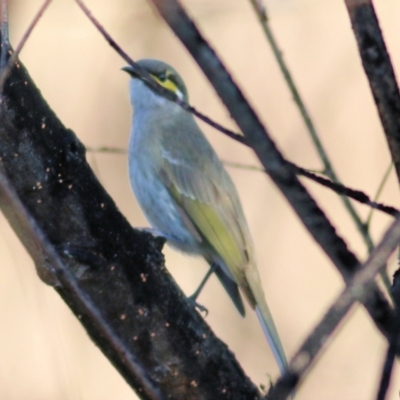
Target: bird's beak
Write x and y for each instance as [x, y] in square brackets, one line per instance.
[130, 71]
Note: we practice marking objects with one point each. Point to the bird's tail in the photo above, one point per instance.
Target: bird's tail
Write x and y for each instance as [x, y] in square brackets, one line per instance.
[271, 333]
[231, 288]
[265, 317]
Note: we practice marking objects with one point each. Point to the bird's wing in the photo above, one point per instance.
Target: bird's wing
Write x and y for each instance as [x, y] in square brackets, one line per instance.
[209, 200]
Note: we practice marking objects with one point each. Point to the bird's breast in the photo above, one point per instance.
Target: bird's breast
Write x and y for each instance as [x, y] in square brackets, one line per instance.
[156, 201]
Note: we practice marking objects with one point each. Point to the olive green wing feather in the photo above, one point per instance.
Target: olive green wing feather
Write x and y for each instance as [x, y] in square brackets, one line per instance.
[209, 200]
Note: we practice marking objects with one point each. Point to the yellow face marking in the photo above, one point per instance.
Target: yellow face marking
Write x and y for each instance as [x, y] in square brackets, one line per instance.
[169, 85]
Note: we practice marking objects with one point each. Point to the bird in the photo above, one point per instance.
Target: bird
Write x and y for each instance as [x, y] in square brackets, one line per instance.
[187, 195]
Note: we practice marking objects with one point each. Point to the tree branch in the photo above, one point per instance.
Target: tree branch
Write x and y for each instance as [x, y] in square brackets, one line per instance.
[357, 290]
[379, 70]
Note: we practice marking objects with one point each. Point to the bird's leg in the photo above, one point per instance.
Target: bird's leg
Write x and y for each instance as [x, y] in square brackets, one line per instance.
[195, 295]
[211, 270]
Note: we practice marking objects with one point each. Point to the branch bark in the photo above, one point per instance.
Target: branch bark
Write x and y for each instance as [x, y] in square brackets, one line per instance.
[379, 70]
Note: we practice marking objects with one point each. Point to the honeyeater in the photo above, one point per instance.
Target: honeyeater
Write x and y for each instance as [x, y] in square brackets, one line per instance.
[187, 195]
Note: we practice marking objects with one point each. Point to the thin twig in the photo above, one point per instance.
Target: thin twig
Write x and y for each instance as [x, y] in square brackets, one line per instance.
[357, 195]
[378, 192]
[262, 15]
[145, 76]
[105, 149]
[338, 188]
[357, 290]
[14, 55]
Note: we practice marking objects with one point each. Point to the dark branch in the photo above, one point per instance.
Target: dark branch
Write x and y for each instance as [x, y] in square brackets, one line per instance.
[358, 289]
[391, 350]
[379, 70]
[340, 189]
[51, 267]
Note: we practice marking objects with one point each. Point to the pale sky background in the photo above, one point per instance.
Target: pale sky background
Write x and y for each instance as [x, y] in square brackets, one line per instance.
[45, 353]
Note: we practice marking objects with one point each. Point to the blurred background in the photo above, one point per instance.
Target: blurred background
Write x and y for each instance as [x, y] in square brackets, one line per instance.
[45, 353]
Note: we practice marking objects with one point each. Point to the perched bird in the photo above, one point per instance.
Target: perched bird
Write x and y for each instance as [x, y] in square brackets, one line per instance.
[187, 195]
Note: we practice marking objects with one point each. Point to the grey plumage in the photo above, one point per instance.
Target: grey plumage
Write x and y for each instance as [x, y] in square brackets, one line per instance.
[186, 193]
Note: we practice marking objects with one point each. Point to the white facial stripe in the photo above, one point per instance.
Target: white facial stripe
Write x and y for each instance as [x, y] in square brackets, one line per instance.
[179, 94]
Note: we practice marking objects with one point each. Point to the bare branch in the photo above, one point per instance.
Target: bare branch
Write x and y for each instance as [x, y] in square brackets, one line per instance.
[379, 70]
[151, 82]
[14, 56]
[357, 290]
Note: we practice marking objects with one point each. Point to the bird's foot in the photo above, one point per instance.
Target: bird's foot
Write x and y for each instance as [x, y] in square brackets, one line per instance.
[154, 232]
[197, 306]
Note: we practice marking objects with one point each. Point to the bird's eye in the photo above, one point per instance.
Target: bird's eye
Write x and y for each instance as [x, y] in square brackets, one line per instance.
[162, 77]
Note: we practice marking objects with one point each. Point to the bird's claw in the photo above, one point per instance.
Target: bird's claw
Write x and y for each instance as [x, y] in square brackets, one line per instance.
[197, 306]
